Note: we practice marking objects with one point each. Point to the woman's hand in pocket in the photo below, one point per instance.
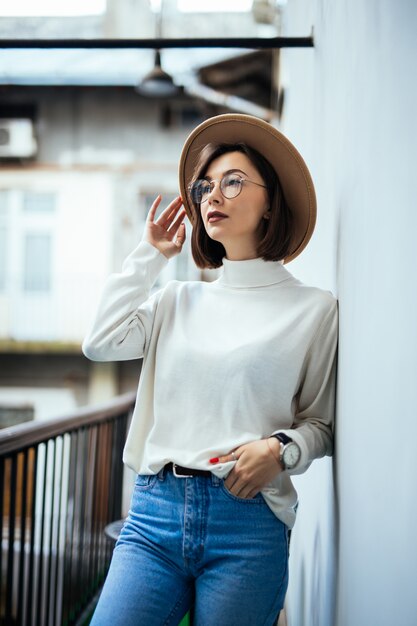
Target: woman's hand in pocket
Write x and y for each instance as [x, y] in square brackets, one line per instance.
[257, 464]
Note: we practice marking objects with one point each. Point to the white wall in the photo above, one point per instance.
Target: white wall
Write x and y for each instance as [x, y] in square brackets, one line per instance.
[351, 107]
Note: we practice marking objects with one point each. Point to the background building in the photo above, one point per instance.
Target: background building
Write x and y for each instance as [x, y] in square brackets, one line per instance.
[83, 157]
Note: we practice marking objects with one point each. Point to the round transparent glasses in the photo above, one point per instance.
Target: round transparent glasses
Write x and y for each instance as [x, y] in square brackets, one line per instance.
[230, 187]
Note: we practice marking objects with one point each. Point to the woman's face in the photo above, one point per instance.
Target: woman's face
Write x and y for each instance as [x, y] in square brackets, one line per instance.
[240, 229]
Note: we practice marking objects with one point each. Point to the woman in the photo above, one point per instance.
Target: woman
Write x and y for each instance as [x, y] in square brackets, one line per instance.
[236, 391]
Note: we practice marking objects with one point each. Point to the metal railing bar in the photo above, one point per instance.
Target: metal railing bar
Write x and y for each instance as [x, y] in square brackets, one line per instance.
[89, 513]
[87, 524]
[58, 543]
[111, 493]
[86, 536]
[75, 526]
[105, 509]
[122, 439]
[20, 595]
[51, 535]
[101, 490]
[64, 537]
[117, 468]
[66, 614]
[16, 438]
[94, 568]
[119, 432]
[88, 519]
[101, 479]
[80, 584]
[10, 552]
[74, 532]
[32, 540]
[42, 534]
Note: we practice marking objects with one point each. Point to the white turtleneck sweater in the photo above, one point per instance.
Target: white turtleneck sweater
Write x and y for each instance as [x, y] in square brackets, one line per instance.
[224, 363]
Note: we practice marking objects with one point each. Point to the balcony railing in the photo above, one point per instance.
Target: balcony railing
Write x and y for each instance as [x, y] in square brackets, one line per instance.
[60, 485]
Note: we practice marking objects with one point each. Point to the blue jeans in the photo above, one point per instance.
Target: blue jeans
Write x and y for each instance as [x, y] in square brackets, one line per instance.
[190, 541]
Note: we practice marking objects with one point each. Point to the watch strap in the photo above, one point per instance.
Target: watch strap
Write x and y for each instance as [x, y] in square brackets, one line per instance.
[282, 438]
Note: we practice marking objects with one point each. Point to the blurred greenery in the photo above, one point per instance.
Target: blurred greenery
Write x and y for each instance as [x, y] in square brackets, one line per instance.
[185, 621]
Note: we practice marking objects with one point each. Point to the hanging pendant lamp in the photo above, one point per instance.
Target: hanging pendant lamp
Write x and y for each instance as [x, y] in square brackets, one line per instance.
[157, 83]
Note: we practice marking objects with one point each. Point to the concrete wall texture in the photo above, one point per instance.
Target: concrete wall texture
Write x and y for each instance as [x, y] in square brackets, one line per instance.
[350, 108]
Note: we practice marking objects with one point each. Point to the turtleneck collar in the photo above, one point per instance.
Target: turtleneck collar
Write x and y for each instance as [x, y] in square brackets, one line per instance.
[252, 273]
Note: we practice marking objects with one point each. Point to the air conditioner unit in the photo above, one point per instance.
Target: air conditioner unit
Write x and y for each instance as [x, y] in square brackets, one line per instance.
[17, 139]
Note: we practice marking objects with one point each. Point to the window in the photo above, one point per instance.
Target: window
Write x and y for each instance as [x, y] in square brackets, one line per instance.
[12, 415]
[37, 262]
[35, 202]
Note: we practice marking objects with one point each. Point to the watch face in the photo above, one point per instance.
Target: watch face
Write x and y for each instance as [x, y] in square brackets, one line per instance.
[291, 455]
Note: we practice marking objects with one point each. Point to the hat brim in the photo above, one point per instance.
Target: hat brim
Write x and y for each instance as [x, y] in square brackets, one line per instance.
[288, 163]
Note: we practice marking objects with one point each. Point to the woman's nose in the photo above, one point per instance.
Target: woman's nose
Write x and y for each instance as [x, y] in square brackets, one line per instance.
[215, 194]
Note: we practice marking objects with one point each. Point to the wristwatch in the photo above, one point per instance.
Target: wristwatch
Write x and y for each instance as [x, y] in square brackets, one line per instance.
[290, 452]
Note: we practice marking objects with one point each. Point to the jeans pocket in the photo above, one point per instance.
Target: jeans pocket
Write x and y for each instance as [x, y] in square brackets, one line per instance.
[145, 481]
[258, 499]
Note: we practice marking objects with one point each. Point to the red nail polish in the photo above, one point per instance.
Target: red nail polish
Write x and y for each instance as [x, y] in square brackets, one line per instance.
[214, 459]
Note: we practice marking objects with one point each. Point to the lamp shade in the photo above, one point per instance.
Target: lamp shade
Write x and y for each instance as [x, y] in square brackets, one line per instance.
[157, 83]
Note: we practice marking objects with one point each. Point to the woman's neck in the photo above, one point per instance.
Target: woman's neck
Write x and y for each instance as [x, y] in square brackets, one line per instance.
[240, 250]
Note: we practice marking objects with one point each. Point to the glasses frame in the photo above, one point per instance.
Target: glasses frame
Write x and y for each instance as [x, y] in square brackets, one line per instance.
[216, 180]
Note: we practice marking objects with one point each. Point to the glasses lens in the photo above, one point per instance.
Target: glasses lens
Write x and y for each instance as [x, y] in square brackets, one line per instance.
[231, 186]
[199, 191]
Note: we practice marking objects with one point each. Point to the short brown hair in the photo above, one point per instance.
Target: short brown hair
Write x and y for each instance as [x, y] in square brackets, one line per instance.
[275, 244]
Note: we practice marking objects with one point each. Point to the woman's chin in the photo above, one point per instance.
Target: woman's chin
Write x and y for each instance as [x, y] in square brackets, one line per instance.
[214, 234]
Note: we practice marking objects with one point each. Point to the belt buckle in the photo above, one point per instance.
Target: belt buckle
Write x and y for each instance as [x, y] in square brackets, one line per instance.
[174, 470]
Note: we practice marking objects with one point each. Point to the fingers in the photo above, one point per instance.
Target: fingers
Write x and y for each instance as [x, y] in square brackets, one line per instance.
[180, 236]
[232, 456]
[173, 219]
[167, 214]
[241, 488]
[155, 205]
[177, 223]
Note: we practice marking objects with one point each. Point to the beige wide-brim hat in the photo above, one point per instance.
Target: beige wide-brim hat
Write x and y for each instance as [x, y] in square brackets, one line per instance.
[288, 163]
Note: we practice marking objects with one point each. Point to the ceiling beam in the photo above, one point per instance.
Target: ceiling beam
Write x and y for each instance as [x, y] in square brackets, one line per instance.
[213, 96]
[256, 43]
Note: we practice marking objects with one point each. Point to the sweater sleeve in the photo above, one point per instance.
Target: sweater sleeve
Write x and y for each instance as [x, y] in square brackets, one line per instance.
[123, 321]
[314, 418]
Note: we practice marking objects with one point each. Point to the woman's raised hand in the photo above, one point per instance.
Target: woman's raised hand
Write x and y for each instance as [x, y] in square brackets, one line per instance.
[168, 232]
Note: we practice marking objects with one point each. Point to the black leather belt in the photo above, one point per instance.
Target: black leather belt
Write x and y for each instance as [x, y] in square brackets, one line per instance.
[185, 472]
